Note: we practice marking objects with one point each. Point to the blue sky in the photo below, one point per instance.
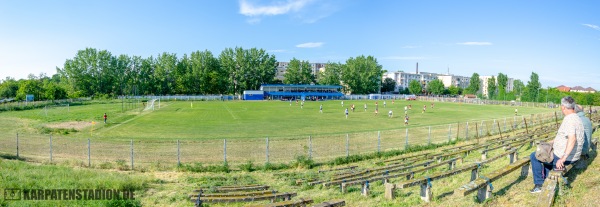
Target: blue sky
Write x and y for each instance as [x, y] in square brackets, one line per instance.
[559, 40]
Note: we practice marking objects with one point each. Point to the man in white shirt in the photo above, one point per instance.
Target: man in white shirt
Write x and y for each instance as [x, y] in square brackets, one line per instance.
[567, 145]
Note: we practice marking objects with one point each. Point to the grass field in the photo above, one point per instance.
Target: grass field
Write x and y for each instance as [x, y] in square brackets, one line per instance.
[154, 133]
[250, 119]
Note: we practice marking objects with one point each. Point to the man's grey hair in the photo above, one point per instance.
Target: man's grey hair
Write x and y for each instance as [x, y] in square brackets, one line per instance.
[568, 102]
[578, 108]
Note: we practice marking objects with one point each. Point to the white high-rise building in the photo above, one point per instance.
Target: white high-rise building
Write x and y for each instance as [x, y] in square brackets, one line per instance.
[484, 84]
[403, 79]
[282, 67]
[455, 80]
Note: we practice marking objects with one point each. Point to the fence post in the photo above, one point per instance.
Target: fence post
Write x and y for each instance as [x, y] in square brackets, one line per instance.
[467, 132]
[504, 123]
[429, 137]
[89, 154]
[449, 132]
[132, 154]
[486, 128]
[309, 147]
[50, 148]
[457, 130]
[494, 126]
[17, 144]
[476, 131]
[406, 144]
[178, 155]
[378, 141]
[267, 151]
[347, 146]
[225, 151]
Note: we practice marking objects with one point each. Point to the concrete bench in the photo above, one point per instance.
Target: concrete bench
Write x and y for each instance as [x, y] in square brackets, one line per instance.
[371, 172]
[408, 174]
[406, 157]
[333, 203]
[198, 200]
[299, 203]
[234, 194]
[553, 180]
[458, 147]
[385, 178]
[338, 169]
[425, 182]
[225, 189]
[483, 184]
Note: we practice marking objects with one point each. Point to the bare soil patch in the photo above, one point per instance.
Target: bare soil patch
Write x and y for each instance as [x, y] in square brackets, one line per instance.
[77, 125]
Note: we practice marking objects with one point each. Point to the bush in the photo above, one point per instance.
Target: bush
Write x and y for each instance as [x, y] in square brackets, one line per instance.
[302, 161]
[198, 167]
[248, 167]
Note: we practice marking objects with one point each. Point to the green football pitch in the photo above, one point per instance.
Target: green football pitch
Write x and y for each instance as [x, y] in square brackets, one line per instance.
[252, 119]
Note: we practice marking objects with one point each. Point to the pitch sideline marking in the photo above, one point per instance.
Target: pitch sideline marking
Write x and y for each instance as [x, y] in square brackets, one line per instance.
[229, 110]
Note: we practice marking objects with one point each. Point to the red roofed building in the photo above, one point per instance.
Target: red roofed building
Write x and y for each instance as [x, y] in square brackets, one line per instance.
[563, 88]
[577, 89]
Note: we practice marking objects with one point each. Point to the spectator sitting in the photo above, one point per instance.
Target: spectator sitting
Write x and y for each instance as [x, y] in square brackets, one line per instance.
[567, 145]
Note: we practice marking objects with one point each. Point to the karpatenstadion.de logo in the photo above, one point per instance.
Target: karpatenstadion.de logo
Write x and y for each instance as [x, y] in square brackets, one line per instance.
[68, 194]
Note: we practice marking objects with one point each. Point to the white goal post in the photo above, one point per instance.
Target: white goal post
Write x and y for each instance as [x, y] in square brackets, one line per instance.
[150, 105]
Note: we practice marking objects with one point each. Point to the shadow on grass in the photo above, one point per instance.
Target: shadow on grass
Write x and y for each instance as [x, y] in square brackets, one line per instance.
[502, 191]
[572, 175]
[11, 157]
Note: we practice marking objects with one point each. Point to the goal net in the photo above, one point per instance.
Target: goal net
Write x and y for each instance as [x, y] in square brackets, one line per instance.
[150, 105]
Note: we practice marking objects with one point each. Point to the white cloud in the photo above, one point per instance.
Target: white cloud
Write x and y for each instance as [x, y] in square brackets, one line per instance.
[310, 45]
[596, 27]
[306, 11]
[403, 58]
[250, 9]
[475, 43]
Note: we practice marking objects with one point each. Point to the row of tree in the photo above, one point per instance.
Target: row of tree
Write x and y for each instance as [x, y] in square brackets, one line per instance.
[95, 73]
[496, 90]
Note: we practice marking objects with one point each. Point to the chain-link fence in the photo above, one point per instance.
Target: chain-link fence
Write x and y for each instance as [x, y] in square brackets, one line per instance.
[99, 152]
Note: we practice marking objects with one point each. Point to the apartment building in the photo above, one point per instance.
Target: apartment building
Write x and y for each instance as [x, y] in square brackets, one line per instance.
[484, 84]
[282, 67]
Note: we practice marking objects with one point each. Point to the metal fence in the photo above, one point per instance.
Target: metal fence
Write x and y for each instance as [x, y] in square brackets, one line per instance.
[96, 152]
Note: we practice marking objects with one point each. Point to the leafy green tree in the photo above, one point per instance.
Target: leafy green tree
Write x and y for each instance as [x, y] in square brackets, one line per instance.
[261, 68]
[147, 80]
[166, 64]
[298, 72]
[502, 81]
[53, 91]
[331, 75]
[518, 87]
[415, 87]
[8, 88]
[362, 75]
[122, 70]
[491, 88]
[247, 69]
[435, 87]
[453, 90]
[389, 85]
[207, 75]
[474, 85]
[30, 86]
[533, 86]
